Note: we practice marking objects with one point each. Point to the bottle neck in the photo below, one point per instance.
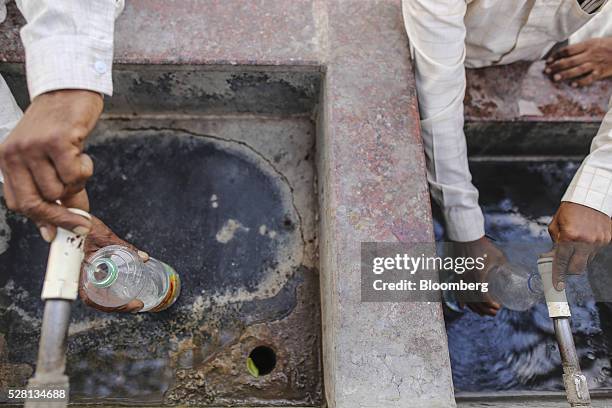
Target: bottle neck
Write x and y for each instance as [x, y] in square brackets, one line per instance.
[102, 273]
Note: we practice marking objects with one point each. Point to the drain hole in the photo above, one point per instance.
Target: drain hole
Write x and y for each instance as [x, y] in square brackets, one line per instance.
[261, 361]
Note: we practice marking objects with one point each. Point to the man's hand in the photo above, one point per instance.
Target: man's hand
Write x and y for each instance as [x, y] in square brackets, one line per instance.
[99, 237]
[42, 159]
[582, 63]
[482, 247]
[578, 232]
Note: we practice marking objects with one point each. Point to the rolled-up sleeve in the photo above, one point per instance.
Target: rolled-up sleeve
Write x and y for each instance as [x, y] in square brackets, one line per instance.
[436, 31]
[592, 183]
[69, 44]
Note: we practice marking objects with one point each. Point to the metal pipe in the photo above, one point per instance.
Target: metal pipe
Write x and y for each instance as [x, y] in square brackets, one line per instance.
[52, 347]
[49, 388]
[576, 387]
[575, 382]
[49, 376]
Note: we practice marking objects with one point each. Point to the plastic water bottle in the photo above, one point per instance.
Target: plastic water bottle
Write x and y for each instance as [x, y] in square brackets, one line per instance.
[115, 275]
[514, 287]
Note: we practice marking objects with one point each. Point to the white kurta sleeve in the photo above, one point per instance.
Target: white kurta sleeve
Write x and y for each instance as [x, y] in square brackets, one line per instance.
[599, 26]
[437, 32]
[69, 44]
[10, 113]
[592, 183]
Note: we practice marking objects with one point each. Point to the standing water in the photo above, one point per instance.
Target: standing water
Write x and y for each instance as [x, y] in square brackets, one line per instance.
[115, 275]
[517, 350]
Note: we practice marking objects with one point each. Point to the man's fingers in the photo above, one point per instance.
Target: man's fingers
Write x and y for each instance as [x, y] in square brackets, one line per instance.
[48, 213]
[9, 196]
[566, 63]
[132, 307]
[563, 254]
[587, 80]
[570, 50]
[483, 309]
[489, 311]
[87, 168]
[574, 72]
[47, 231]
[47, 181]
[79, 200]
[73, 167]
[143, 255]
[29, 203]
[579, 260]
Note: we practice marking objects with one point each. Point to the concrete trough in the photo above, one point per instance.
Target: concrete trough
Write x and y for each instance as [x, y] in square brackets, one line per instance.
[212, 172]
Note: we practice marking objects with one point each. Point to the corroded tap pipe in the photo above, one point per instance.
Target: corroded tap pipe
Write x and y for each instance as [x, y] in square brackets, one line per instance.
[576, 387]
[575, 382]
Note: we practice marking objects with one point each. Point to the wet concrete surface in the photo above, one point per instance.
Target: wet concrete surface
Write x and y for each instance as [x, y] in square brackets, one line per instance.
[229, 204]
[517, 350]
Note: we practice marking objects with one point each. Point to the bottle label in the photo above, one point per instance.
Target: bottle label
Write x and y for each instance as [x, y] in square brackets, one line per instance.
[173, 292]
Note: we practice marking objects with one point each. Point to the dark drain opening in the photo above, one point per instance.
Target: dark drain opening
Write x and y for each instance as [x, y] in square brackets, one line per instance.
[261, 361]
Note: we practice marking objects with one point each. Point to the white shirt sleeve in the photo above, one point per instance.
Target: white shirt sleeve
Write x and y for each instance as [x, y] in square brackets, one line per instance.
[599, 26]
[10, 113]
[69, 44]
[592, 183]
[437, 32]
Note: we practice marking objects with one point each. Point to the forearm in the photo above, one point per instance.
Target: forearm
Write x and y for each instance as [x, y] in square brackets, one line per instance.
[69, 44]
[437, 36]
[592, 184]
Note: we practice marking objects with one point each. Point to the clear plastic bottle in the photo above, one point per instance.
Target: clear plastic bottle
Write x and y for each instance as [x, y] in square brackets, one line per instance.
[115, 275]
[513, 287]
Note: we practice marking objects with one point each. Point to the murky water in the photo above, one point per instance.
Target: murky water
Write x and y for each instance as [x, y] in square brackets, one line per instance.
[517, 350]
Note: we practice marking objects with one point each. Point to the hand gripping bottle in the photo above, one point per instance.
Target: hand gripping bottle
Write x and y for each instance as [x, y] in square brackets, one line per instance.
[115, 275]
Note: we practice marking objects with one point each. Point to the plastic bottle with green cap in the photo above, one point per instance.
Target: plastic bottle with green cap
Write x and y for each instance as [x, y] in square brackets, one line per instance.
[115, 275]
